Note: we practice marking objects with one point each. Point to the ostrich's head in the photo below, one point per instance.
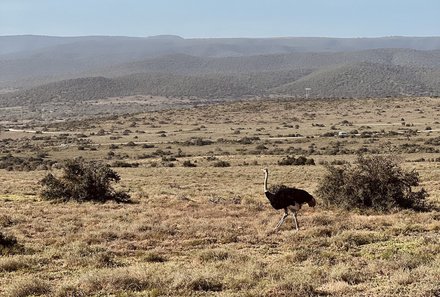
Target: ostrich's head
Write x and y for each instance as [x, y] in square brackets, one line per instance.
[266, 171]
[311, 202]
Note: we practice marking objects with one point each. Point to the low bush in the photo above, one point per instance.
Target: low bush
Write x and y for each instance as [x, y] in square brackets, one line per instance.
[433, 141]
[198, 141]
[376, 182]
[296, 161]
[124, 164]
[221, 164]
[13, 163]
[188, 163]
[83, 181]
[9, 245]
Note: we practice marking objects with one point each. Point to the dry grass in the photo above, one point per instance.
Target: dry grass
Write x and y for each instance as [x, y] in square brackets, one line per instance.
[208, 231]
[28, 287]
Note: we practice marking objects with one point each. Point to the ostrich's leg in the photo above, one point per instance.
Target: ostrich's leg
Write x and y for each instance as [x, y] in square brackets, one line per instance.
[296, 221]
[282, 219]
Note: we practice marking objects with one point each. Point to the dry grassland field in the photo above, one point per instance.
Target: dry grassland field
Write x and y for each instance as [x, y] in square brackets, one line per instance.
[200, 224]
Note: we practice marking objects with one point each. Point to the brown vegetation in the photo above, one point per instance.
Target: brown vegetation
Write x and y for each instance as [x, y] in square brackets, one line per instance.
[207, 230]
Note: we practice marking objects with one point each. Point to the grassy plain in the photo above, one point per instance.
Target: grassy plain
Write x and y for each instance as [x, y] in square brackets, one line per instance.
[208, 230]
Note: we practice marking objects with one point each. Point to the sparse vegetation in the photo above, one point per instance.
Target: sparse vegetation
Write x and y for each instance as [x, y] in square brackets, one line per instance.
[13, 163]
[205, 230]
[301, 160]
[29, 287]
[221, 163]
[188, 163]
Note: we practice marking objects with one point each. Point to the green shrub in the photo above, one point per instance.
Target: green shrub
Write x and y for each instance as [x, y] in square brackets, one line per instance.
[83, 181]
[376, 182]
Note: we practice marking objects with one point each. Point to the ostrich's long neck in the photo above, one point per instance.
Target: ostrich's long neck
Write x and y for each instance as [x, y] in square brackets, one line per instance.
[265, 181]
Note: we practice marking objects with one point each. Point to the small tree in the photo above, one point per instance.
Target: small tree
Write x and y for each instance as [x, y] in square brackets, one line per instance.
[83, 181]
[375, 182]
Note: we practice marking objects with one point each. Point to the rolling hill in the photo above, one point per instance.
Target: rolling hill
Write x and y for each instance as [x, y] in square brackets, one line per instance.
[46, 69]
[208, 86]
[346, 81]
[365, 80]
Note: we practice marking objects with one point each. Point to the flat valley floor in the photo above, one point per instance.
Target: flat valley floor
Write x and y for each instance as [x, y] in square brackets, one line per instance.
[200, 224]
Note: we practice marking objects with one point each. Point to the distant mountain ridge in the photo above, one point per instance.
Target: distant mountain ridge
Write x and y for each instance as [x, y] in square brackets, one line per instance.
[209, 46]
[94, 67]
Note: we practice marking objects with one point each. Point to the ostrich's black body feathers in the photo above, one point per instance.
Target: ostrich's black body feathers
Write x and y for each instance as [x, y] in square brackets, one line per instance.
[281, 196]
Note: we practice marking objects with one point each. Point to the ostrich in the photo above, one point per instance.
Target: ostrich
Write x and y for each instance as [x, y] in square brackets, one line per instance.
[288, 199]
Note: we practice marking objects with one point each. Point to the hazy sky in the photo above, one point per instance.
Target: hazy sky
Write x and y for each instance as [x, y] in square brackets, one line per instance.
[221, 18]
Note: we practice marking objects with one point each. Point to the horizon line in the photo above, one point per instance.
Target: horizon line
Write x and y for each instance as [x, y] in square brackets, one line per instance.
[242, 37]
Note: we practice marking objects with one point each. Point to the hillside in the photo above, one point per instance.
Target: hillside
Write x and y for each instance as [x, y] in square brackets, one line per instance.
[34, 72]
[27, 61]
[209, 86]
[350, 80]
[366, 80]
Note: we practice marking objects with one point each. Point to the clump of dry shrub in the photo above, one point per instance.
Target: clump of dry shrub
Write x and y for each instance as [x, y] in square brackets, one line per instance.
[300, 161]
[9, 245]
[83, 181]
[14, 163]
[376, 182]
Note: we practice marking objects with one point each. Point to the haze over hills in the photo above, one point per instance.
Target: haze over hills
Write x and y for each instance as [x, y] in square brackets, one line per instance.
[46, 68]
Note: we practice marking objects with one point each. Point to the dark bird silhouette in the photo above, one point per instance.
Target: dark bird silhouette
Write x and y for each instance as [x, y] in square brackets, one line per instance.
[283, 197]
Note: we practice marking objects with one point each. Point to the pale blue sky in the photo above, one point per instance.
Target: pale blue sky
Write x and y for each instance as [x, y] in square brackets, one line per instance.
[221, 18]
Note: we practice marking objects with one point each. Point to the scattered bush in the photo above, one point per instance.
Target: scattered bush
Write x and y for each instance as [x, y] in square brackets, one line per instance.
[375, 182]
[124, 164]
[329, 134]
[10, 163]
[198, 141]
[83, 181]
[221, 164]
[296, 161]
[261, 147]
[248, 140]
[188, 163]
[433, 141]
